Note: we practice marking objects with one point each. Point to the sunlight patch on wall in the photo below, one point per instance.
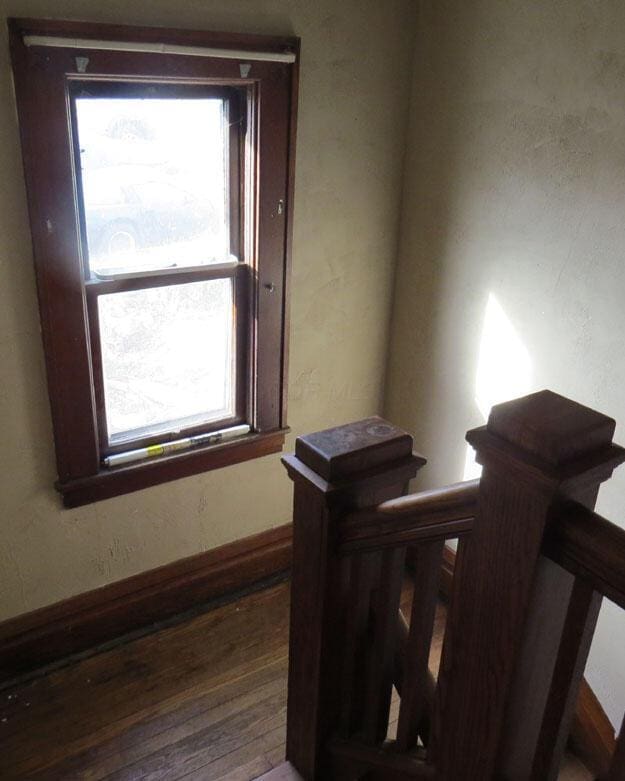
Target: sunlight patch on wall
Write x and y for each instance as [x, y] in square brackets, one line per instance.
[504, 370]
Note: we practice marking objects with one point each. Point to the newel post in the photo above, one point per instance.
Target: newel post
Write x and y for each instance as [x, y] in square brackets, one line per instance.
[334, 471]
[536, 451]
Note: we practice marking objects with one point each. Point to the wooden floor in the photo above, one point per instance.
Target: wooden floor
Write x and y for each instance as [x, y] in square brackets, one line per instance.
[205, 699]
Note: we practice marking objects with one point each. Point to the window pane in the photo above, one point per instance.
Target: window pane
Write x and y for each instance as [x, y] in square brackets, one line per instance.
[154, 180]
[167, 357]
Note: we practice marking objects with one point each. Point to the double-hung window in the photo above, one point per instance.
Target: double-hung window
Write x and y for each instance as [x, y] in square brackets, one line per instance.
[159, 172]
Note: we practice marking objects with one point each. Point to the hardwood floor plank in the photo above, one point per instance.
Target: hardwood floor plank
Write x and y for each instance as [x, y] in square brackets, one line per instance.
[181, 758]
[247, 772]
[149, 677]
[276, 755]
[148, 738]
[159, 653]
[268, 745]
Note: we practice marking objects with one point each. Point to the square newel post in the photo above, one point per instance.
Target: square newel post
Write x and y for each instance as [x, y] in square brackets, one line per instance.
[535, 451]
[561, 620]
[334, 471]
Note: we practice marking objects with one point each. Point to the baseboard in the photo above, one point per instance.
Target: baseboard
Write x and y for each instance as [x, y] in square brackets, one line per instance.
[77, 624]
[447, 571]
[592, 736]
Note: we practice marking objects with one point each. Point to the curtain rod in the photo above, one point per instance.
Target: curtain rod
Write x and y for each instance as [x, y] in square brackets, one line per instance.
[156, 48]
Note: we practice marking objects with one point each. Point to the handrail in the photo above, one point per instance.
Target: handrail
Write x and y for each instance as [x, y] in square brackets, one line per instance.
[434, 499]
[580, 540]
[428, 515]
[590, 547]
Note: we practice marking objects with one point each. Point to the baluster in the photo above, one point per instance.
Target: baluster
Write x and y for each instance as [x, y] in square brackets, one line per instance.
[356, 644]
[334, 471]
[414, 694]
[380, 674]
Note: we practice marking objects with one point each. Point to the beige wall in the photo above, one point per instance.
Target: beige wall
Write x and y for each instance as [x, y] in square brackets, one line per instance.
[353, 102]
[511, 273]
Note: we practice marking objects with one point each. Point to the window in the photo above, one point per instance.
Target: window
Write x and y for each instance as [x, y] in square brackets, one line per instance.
[159, 171]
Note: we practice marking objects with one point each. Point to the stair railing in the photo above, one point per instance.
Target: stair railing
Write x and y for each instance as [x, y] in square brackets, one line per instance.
[532, 565]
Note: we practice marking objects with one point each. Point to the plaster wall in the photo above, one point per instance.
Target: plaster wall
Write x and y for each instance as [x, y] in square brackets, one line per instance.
[353, 104]
[511, 275]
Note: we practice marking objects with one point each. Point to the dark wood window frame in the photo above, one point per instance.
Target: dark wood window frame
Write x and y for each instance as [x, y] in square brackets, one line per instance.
[266, 95]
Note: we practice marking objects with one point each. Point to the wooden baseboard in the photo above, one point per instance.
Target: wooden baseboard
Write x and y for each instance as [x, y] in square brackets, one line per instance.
[447, 571]
[88, 620]
[592, 736]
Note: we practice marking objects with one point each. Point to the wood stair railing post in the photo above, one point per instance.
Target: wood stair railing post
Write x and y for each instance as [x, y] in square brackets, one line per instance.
[334, 471]
[561, 621]
[534, 450]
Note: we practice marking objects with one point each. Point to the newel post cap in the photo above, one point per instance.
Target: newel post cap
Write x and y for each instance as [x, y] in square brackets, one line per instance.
[551, 427]
[347, 453]
[551, 432]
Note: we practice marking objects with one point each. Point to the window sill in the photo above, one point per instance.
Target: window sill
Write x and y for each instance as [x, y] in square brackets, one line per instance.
[133, 477]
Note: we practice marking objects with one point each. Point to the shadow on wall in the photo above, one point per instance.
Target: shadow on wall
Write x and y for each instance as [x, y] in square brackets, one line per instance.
[419, 352]
[455, 347]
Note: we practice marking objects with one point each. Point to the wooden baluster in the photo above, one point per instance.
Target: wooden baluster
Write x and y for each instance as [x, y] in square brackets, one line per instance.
[531, 450]
[334, 471]
[380, 674]
[575, 639]
[414, 696]
[355, 651]
[617, 768]
[401, 663]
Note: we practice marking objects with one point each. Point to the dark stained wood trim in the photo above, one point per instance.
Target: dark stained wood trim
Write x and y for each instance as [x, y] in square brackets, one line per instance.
[82, 622]
[49, 186]
[592, 737]
[142, 474]
[273, 134]
[288, 227]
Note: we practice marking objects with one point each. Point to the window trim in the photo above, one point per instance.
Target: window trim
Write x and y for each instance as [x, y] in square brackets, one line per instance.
[63, 291]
